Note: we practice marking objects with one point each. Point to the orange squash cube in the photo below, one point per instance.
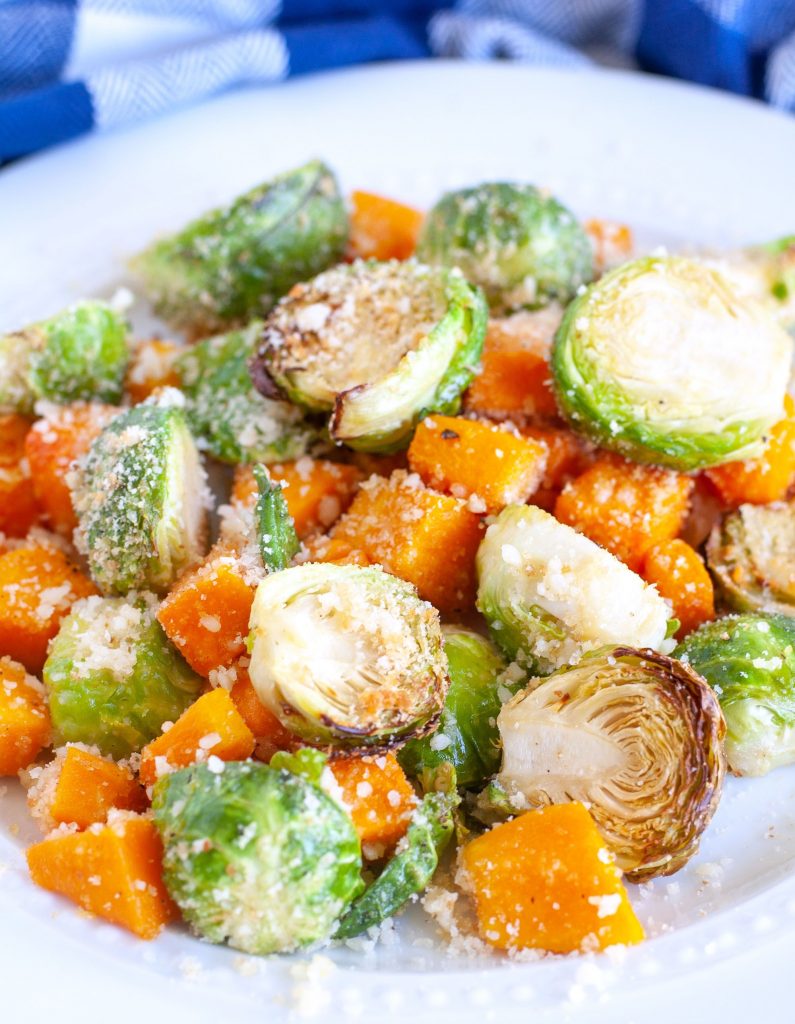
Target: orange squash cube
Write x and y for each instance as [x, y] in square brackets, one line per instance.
[206, 614]
[626, 508]
[381, 228]
[80, 788]
[472, 459]
[269, 733]
[52, 446]
[19, 508]
[764, 479]
[515, 380]
[113, 871]
[426, 538]
[379, 797]
[212, 725]
[545, 880]
[24, 718]
[680, 575]
[38, 585]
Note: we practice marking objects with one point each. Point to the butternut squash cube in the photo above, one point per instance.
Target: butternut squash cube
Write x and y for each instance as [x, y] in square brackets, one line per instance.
[24, 718]
[545, 880]
[113, 871]
[210, 726]
[38, 585]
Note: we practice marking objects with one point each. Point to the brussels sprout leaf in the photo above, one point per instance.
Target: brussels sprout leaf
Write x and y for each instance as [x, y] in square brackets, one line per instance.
[278, 541]
[306, 762]
[409, 871]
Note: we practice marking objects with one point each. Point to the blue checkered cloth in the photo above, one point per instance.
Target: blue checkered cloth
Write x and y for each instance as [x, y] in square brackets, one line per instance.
[68, 67]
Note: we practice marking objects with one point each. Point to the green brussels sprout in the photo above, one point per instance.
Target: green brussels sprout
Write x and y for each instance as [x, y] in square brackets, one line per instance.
[228, 416]
[634, 736]
[140, 498]
[521, 246]
[662, 361]
[751, 555]
[467, 735]
[259, 858]
[749, 661]
[233, 263]
[112, 676]
[346, 655]
[549, 594]
[380, 344]
[409, 871]
[80, 353]
[278, 541]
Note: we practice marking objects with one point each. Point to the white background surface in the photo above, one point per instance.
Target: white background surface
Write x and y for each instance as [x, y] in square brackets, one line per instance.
[683, 166]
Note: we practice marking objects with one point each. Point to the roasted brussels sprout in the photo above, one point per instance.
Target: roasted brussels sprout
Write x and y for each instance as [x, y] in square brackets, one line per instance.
[346, 655]
[232, 264]
[549, 594]
[749, 661]
[112, 676]
[80, 353]
[381, 344]
[141, 497]
[259, 858]
[278, 541]
[226, 413]
[467, 735]
[751, 554]
[409, 871]
[663, 361]
[521, 246]
[633, 735]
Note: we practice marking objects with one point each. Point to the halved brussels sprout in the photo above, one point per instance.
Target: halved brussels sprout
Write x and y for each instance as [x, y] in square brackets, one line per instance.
[663, 361]
[258, 858]
[633, 735]
[80, 353]
[227, 414]
[749, 661]
[520, 245]
[382, 344]
[410, 870]
[751, 554]
[549, 594]
[467, 734]
[346, 655]
[141, 497]
[233, 263]
[112, 676]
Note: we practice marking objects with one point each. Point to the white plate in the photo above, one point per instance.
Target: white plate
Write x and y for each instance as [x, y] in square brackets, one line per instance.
[682, 165]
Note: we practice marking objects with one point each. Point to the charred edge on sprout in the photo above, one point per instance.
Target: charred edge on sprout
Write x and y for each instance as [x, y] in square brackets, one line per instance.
[705, 712]
[262, 380]
[339, 409]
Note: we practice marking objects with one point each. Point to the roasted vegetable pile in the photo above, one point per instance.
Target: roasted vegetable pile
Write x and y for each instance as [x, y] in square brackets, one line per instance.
[497, 588]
